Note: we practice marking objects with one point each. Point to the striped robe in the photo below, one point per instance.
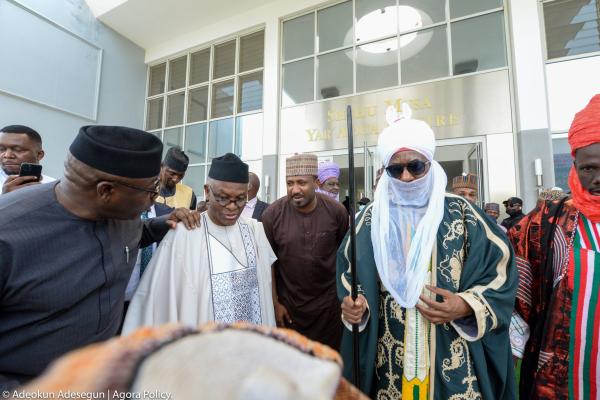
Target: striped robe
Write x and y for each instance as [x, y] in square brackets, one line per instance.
[557, 303]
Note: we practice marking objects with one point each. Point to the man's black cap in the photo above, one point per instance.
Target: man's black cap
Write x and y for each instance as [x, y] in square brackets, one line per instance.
[118, 150]
[512, 200]
[229, 168]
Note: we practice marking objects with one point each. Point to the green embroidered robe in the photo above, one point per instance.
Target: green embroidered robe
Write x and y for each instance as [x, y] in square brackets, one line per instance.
[471, 359]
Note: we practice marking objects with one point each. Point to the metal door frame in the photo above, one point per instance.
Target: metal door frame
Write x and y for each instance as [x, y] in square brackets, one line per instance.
[358, 151]
[472, 140]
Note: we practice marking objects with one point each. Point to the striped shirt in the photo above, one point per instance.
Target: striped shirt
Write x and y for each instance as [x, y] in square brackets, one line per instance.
[584, 273]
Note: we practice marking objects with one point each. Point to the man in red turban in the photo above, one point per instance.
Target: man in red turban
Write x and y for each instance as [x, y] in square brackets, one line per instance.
[556, 323]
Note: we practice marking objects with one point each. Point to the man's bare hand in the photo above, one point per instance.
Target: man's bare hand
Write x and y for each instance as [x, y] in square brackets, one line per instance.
[282, 316]
[191, 219]
[451, 307]
[14, 182]
[353, 310]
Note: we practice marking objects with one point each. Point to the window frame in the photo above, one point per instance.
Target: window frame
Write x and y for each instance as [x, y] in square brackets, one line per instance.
[160, 132]
[542, 21]
[447, 22]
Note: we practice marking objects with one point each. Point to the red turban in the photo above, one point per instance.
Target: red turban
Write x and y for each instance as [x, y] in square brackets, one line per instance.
[584, 131]
[585, 128]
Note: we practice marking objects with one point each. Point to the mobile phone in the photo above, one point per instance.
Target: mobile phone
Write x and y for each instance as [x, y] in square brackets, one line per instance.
[28, 169]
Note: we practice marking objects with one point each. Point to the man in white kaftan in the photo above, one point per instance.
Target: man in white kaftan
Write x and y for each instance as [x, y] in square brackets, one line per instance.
[218, 272]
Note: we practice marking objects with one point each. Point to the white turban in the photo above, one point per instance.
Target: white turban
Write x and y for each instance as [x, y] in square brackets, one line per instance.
[406, 212]
[404, 132]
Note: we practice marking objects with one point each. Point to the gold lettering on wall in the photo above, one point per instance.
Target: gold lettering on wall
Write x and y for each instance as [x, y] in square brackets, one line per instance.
[415, 104]
[453, 119]
[312, 134]
[367, 125]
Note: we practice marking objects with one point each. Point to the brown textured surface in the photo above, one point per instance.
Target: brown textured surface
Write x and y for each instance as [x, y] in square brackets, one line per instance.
[104, 366]
[301, 165]
[465, 181]
[347, 391]
[111, 365]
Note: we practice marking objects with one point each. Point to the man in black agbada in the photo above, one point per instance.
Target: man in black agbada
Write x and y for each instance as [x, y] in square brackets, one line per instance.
[67, 248]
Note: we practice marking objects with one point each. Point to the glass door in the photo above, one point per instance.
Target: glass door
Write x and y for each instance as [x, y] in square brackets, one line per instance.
[460, 158]
[475, 163]
[364, 172]
[369, 162]
[359, 174]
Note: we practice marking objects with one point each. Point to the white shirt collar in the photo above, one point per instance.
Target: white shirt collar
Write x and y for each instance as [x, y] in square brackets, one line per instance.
[252, 203]
[249, 208]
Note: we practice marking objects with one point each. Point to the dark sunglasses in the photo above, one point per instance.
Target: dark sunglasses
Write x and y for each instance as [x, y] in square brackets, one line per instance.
[414, 167]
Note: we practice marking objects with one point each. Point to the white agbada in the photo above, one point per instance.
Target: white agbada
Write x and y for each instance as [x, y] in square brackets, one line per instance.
[212, 273]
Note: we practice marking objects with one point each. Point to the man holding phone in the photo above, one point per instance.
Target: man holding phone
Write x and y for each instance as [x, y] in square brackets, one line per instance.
[20, 154]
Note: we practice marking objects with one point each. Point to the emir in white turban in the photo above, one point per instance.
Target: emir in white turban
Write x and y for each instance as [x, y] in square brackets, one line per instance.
[406, 215]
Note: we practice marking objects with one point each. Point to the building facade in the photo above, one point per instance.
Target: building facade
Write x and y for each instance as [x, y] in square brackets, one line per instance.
[498, 80]
[62, 69]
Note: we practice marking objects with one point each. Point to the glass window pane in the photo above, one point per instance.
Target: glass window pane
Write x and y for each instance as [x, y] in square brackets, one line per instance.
[200, 66]
[248, 136]
[172, 138]
[224, 62]
[419, 13]
[194, 178]
[459, 8]
[562, 162]
[154, 114]
[156, 84]
[175, 104]
[377, 65]
[424, 55]
[252, 51]
[177, 69]
[299, 37]
[195, 143]
[334, 74]
[478, 43]
[250, 91]
[197, 104]
[222, 99]
[298, 82]
[334, 27]
[572, 27]
[375, 19]
[220, 138]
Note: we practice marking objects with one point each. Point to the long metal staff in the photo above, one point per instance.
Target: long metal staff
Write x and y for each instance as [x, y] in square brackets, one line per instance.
[352, 206]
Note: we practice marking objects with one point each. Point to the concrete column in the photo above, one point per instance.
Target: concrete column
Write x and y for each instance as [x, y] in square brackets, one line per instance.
[270, 143]
[533, 136]
[271, 87]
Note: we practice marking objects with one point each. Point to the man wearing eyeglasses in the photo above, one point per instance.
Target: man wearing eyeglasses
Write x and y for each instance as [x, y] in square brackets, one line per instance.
[305, 229]
[220, 272]
[67, 248]
[436, 282]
